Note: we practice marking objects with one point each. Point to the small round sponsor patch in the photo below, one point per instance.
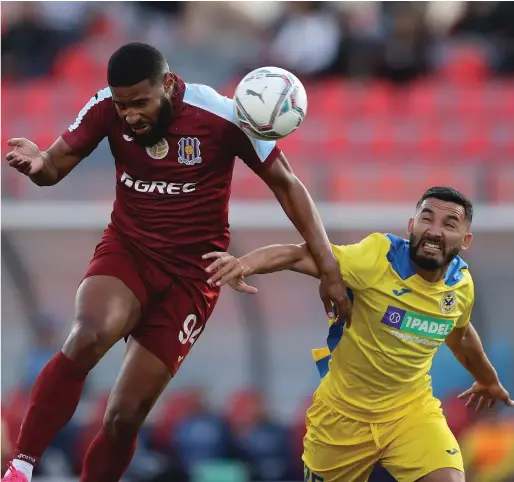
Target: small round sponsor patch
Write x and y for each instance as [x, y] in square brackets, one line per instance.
[159, 150]
[448, 302]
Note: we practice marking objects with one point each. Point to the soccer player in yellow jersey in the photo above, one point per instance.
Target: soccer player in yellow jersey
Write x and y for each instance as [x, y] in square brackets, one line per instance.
[375, 402]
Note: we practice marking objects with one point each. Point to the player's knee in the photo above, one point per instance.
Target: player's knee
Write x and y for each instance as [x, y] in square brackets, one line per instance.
[123, 421]
[90, 339]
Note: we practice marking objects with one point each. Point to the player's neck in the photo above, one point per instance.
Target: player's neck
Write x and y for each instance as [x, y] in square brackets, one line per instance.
[431, 276]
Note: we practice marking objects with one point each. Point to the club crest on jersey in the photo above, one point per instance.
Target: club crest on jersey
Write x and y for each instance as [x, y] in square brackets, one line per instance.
[159, 150]
[448, 302]
[189, 151]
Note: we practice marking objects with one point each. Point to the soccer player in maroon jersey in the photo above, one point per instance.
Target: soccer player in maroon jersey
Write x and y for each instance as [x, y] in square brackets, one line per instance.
[174, 146]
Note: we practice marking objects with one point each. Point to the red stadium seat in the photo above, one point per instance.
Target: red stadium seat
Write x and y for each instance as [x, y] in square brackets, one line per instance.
[76, 64]
[420, 98]
[243, 409]
[175, 407]
[502, 185]
[247, 185]
[467, 64]
[397, 183]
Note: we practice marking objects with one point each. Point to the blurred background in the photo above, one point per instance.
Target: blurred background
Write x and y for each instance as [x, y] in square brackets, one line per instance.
[402, 96]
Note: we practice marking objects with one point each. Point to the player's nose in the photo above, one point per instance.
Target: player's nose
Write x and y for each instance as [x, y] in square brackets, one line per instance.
[434, 233]
[133, 119]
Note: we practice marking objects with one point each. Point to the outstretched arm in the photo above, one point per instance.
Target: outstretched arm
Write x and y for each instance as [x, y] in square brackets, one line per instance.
[226, 269]
[466, 346]
[279, 257]
[299, 207]
[77, 142]
[45, 168]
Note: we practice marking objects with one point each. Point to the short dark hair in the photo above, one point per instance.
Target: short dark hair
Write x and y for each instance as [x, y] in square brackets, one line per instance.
[449, 194]
[134, 62]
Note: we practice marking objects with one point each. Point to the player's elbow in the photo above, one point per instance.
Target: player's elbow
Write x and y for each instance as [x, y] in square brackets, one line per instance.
[43, 181]
[303, 261]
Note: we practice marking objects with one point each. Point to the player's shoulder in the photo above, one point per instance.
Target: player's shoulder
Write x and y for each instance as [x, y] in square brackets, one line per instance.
[459, 277]
[209, 100]
[102, 98]
[374, 245]
[100, 105]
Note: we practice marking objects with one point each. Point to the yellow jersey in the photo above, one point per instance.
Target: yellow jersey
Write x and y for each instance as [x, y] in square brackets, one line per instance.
[378, 369]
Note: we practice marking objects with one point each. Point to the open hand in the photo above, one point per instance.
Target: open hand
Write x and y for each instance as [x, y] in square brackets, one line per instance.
[227, 269]
[486, 395]
[333, 292]
[25, 157]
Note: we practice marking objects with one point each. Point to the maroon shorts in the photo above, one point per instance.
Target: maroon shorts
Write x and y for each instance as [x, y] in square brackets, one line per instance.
[174, 310]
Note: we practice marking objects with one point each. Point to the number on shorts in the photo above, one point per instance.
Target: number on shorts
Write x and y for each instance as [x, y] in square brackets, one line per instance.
[188, 332]
[310, 476]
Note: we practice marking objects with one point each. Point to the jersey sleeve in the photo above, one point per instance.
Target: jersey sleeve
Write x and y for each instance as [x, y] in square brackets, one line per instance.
[364, 263]
[91, 125]
[255, 153]
[469, 300]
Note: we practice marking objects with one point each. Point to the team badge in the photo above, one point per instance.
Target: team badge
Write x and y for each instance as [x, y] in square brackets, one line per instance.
[189, 151]
[159, 150]
[448, 302]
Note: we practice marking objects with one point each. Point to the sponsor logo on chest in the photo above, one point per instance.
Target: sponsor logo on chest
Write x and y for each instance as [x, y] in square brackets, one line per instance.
[415, 323]
[161, 187]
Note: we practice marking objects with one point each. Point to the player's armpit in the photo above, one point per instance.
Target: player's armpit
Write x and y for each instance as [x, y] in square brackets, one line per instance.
[59, 160]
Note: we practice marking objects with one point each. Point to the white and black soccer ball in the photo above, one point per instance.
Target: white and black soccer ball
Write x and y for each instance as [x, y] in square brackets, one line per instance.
[270, 103]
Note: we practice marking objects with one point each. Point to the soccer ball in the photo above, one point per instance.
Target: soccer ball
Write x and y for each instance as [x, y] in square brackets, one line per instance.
[270, 103]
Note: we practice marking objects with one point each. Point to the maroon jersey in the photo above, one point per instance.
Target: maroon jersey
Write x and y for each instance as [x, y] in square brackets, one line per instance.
[172, 198]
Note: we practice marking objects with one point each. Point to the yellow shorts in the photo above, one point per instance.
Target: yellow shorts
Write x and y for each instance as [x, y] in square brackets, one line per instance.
[340, 449]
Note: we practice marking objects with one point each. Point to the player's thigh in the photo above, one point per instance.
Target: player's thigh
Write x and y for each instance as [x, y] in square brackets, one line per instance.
[140, 382]
[421, 444]
[444, 475]
[171, 327]
[107, 305]
[336, 448]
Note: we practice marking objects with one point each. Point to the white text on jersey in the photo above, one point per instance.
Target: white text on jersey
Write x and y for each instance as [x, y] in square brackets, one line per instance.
[162, 187]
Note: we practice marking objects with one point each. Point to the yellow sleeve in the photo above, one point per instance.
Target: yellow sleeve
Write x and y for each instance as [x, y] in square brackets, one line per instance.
[364, 263]
[465, 317]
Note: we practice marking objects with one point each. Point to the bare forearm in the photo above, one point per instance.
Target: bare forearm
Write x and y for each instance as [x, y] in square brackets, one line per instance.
[49, 175]
[270, 259]
[300, 208]
[470, 353]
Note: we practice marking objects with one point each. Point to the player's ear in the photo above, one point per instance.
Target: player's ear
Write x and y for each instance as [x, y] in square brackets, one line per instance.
[410, 226]
[467, 241]
[168, 82]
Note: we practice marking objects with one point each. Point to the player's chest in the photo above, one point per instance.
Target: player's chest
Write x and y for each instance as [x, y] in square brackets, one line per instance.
[412, 314]
[182, 153]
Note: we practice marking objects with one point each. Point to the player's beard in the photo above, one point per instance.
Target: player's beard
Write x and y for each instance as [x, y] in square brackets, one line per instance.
[430, 263]
[158, 129]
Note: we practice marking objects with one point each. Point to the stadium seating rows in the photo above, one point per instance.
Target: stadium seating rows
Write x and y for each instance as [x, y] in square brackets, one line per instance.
[375, 142]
